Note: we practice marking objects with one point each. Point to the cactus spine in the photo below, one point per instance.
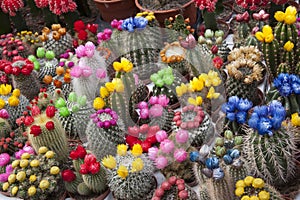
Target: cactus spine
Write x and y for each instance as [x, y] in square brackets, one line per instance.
[72, 186]
[96, 182]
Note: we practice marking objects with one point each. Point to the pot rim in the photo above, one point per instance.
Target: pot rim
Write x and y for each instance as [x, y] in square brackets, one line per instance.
[162, 11]
[108, 1]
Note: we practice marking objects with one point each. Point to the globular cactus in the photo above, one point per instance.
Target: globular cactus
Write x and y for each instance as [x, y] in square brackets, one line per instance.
[27, 79]
[29, 38]
[245, 71]
[83, 189]
[96, 182]
[103, 129]
[56, 39]
[271, 151]
[131, 169]
[46, 129]
[14, 47]
[71, 180]
[5, 127]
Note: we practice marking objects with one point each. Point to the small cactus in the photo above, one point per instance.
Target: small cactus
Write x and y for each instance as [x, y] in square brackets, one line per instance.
[71, 180]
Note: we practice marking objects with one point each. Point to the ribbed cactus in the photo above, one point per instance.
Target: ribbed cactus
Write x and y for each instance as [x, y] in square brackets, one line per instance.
[245, 71]
[5, 128]
[83, 189]
[56, 39]
[96, 182]
[47, 130]
[103, 133]
[71, 186]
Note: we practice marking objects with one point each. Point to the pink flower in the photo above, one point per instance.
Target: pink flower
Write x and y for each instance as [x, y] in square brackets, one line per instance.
[101, 73]
[41, 3]
[144, 113]
[4, 114]
[161, 135]
[182, 136]
[163, 100]
[152, 153]
[62, 6]
[29, 149]
[180, 155]
[4, 159]
[18, 154]
[156, 111]
[161, 162]
[143, 105]
[153, 100]
[86, 71]
[4, 177]
[80, 51]
[89, 49]
[76, 72]
[9, 169]
[167, 146]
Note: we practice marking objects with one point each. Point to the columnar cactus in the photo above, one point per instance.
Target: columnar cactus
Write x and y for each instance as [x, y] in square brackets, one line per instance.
[56, 39]
[104, 129]
[130, 174]
[46, 129]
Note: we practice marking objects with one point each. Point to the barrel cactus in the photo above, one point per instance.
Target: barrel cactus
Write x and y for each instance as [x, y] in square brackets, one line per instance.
[71, 180]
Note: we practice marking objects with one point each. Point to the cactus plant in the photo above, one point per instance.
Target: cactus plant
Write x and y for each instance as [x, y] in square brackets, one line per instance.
[46, 129]
[5, 127]
[56, 39]
[30, 38]
[104, 129]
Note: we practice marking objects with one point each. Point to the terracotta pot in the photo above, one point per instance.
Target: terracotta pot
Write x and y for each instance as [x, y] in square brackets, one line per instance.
[116, 9]
[188, 10]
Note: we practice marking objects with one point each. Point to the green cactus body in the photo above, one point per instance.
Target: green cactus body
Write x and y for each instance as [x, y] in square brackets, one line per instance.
[54, 139]
[172, 194]
[72, 186]
[274, 194]
[272, 158]
[96, 182]
[58, 46]
[243, 30]
[83, 189]
[66, 88]
[47, 67]
[204, 195]
[251, 41]
[239, 88]
[236, 173]
[272, 56]
[219, 189]
[201, 134]
[5, 128]
[77, 163]
[103, 141]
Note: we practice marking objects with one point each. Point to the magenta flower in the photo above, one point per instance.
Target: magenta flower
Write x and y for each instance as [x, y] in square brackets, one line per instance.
[161, 162]
[4, 114]
[182, 136]
[143, 105]
[167, 146]
[152, 153]
[161, 136]
[180, 155]
[4, 159]
[153, 100]
[163, 100]
[144, 113]
[80, 51]
[76, 72]
[4, 177]
[156, 111]
[29, 149]
[18, 154]
[101, 73]
[9, 169]
[89, 49]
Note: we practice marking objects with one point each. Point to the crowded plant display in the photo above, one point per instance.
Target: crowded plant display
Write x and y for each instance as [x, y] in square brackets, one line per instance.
[173, 100]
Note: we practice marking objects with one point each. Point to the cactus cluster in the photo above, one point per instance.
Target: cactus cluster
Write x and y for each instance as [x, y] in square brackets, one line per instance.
[30, 38]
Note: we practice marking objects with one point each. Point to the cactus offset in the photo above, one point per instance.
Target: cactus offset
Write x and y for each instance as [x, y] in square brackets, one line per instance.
[83, 189]
[96, 182]
[72, 186]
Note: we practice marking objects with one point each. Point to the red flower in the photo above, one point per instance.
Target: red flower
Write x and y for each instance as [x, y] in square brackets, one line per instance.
[68, 175]
[28, 120]
[151, 139]
[79, 25]
[50, 111]
[50, 125]
[81, 152]
[84, 169]
[145, 146]
[94, 168]
[35, 130]
[92, 28]
[62, 6]
[75, 43]
[82, 35]
[74, 155]
[26, 71]
[131, 140]
[35, 110]
[90, 159]
[218, 62]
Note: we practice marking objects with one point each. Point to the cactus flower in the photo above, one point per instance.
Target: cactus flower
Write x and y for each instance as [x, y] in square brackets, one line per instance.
[288, 46]
[137, 165]
[239, 191]
[125, 65]
[137, 150]
[44, 184]
[122, 149]
[266, 35]
[31, 191]
[4, 159]
[295, 119]
[122, 171]
[258, 183]
[109, 162]
[264, 195]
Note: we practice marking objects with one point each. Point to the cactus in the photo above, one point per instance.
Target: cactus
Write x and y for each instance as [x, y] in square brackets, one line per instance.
[83, 189]
[27, 83]
[72, 186]
[108, 136]
[96, 182]
[30, 38]
[47, 130]
[14, 47]
[245, 72]
[5, 128]
[56, 39]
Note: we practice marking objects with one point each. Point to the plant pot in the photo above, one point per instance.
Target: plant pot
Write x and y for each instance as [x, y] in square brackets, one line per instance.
[188, 10]
[116, 9]
[92, 197]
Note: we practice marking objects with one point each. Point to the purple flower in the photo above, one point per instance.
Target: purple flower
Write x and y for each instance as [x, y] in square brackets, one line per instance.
[4, 177]
[4, 159]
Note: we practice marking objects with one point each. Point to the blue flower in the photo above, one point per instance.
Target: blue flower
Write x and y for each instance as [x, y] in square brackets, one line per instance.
[140, 22]
[234, 100]
[228, 107]
[253, 121]
[277, 110]
[264, 126]
[230, 116]
[296, 87]
[241, 117]
[261, 111]
[130, 24]
[287, 84]
[244, 105]
[276, 122]
[285, 90]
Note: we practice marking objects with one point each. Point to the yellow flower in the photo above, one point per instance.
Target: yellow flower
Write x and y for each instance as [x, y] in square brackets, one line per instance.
[99, 103]
[104, 92]
[137, 150]
[32, 178]
[15, 163]
[246, 197]
[182, 89]
[16, 92]
[264, 195]
[49, 154]
[54, 170]
[239, 191]
[110, 86]
[295, 119]
[117, 66]
[5, 186]
[14, 190]
[288, 46]
[124, 65]
[122, 149]
[248, 180]
[118, 84]
[211, 78]
[2, 103]
[137, 165]
[43, 150]
[24, 163]
[279, 16]
[5, 89]
[109, 162]
[212, 94]
[12, 178]
[13, 101]
[44, 184]
[25, 156]
[21, 176]
[254, 198]
[240, 183]
[260, 36]
[196, 102]
[35, 163]
[31, 191]
[291, 10]
[122, 171]
[290, 19]
[269, 38]
[258, 183]
[197, 84]
[266, 35]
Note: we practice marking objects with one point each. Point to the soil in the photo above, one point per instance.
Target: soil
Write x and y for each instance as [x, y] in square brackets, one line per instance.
[162, 4]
